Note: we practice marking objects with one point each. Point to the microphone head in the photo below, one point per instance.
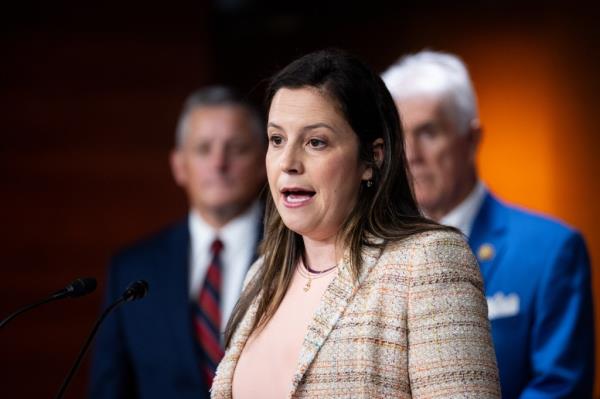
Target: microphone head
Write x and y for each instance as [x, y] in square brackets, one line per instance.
[81, 286]
[136, 290]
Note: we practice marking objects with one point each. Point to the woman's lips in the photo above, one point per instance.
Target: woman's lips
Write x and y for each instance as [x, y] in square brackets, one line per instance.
[296, 198]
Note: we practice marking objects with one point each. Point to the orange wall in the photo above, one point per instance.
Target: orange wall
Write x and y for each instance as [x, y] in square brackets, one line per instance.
[540, 137]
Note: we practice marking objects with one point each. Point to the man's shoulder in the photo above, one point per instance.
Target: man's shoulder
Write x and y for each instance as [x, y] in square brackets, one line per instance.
[529, 223]
[154, 244]
[535, 223]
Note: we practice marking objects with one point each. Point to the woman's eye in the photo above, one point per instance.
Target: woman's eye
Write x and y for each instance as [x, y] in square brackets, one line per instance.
[316, 143]
[276, 140]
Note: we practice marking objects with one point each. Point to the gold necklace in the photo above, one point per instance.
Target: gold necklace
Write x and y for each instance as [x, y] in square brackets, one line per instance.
[310, 274]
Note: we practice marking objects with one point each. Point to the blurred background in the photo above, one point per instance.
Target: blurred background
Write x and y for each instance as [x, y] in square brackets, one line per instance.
[90, 93]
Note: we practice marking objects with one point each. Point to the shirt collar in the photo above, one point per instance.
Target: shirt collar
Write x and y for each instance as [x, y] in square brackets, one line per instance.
[234, 233]
[463, 216]
[203, 234]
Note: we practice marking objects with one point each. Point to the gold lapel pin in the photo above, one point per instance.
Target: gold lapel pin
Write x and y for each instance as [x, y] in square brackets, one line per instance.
[486, 252]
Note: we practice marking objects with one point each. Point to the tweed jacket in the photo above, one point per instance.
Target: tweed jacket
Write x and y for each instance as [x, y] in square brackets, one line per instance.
[413, 325]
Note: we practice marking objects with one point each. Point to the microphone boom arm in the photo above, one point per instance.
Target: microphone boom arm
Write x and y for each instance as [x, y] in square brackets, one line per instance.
[86, 345]
[136, 290]
[79, 287]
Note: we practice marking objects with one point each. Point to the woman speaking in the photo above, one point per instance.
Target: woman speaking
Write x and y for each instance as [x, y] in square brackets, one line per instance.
[356, 295]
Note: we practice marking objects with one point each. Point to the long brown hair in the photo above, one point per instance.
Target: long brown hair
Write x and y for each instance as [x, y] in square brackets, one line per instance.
[386, 211]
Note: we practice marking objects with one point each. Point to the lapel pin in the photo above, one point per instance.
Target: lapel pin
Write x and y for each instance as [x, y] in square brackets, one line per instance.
[486, 252]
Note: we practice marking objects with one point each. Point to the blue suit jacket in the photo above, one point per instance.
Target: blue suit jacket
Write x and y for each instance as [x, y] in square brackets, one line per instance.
[148, 349]
[537, 281]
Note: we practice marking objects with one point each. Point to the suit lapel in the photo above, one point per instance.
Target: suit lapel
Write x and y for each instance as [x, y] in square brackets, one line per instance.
[487, 238]
[224, 378]
[333, 304]
[259, 236]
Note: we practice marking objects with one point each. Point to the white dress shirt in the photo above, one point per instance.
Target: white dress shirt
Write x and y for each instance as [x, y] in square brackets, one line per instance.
[463, 216]
[239, 238]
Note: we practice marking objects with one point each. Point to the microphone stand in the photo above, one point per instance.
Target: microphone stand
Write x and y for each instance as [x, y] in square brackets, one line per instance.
[86, 345]
[79, 287]
[134, 291]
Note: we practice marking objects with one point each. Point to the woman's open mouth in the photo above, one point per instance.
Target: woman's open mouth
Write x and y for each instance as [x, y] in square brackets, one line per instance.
[296, 197]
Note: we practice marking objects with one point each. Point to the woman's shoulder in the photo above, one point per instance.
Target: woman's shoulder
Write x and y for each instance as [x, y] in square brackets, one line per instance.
[436, 252]
[430, 242]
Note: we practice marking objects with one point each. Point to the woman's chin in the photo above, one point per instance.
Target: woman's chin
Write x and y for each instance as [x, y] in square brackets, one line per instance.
[312, 232]
[298, 227]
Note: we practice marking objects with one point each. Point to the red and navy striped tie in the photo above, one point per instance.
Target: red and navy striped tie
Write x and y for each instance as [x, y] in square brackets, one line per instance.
[208, 315]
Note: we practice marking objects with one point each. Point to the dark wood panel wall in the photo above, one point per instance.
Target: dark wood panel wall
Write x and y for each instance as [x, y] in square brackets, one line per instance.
[88, 118]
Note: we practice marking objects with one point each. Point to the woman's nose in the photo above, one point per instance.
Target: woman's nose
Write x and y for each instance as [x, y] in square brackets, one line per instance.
[291, 161]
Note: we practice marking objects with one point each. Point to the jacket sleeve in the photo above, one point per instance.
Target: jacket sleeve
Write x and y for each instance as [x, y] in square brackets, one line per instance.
[111, 372]
[450, 351]
[562, 337]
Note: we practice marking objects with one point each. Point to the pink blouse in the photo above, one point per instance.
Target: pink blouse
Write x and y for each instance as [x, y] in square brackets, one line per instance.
[268, 361]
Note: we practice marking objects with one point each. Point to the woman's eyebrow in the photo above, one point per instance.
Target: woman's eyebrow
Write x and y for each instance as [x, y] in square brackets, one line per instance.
[317, 126]
[307, 127]
[276, 126]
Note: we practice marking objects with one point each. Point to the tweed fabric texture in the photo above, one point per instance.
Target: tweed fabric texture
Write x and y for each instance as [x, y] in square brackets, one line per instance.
[413, 325]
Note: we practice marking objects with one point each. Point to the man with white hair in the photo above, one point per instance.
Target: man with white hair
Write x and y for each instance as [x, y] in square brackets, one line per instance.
[536, 270]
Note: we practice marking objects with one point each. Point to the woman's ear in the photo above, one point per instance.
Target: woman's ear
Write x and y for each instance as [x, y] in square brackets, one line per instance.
[378, 152]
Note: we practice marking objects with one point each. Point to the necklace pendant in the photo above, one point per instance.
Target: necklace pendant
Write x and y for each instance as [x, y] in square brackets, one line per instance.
[307, 285]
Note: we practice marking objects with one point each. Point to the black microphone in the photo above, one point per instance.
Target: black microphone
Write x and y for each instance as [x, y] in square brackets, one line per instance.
[136, 290]
[81, 286]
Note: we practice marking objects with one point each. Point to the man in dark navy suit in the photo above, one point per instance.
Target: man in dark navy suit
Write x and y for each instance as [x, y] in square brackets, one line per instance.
[536, 270]
[167, 345]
